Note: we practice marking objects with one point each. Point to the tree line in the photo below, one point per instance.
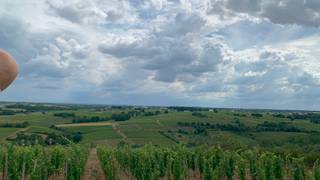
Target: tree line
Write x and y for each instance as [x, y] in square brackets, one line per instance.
[237, 126]
[123, 116]
[312, 117]
[15, 125]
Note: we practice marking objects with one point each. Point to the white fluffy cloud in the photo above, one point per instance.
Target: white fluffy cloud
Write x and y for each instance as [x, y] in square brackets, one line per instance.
[229, 53]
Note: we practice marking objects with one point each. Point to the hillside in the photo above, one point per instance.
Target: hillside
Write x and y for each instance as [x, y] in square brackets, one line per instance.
[137, 126]
[129, 142]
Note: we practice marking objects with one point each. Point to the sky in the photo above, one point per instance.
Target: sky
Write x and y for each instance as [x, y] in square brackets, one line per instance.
[217, 53]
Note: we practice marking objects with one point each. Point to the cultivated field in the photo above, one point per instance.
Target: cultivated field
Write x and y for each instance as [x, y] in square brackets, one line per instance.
[85, 124]
[166, 127]
[120, 142]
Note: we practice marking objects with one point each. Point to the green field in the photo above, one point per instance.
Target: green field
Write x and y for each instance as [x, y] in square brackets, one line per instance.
[167, 127]
[153, 142]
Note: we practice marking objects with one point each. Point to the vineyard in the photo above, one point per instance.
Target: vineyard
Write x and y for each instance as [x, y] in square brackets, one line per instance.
[151, 163]
[46, 142]
[40, 163]
[180, 163]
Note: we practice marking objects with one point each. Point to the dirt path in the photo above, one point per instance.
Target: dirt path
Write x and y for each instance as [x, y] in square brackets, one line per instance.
[124, 137]
[115, 127]
[85, 124]
[159, 123]
[93, 169]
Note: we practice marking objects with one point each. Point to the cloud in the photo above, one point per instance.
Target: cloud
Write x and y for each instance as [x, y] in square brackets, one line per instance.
[244, 5]
[247, 34]
[93, 12]
[173, 51]
[228, 53]
[77, 11]
[273, 77]
[15, 38]
[277, 11]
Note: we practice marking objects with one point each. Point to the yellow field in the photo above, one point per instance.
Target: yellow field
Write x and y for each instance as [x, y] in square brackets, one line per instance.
[85, 124]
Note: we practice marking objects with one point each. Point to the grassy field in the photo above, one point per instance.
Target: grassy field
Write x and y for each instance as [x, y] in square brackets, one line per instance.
[164, 128]
[97, 134]
[6, 132]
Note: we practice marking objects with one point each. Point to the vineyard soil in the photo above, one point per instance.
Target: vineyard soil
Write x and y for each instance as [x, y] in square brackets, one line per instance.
[93, 169]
